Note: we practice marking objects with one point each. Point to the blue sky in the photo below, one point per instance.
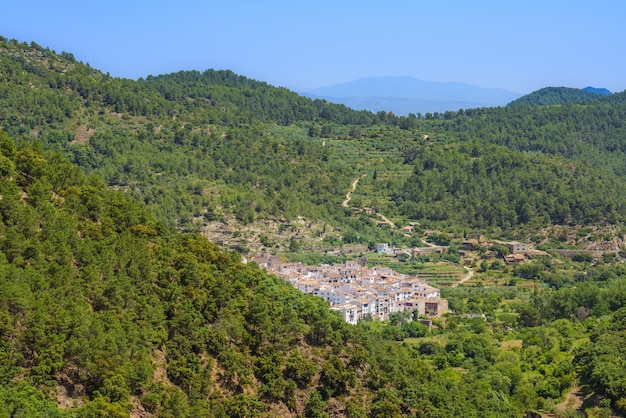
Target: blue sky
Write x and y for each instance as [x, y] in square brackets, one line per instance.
[520, 46]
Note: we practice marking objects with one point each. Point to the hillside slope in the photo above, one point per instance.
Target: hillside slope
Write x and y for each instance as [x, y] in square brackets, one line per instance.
[558, 95]
[106, 312]
[215, 150]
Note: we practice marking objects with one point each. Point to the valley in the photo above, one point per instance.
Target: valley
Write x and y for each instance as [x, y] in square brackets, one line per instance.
[132, 212]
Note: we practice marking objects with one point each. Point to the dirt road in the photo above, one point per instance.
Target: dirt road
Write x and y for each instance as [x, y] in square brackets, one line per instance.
[469, 275]
[352, 189]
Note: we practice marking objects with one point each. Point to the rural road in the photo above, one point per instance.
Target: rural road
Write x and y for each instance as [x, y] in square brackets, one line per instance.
[469, 275]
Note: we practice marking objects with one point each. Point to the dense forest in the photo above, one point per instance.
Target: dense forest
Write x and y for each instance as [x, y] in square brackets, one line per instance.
[113, 302]
[202, 147]
[558, 95]
[487, 185]
[106, 311]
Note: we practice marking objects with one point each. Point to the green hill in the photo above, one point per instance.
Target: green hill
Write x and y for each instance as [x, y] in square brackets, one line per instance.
[548, 96]
[106, 312]
[208, 151]
[107, 309]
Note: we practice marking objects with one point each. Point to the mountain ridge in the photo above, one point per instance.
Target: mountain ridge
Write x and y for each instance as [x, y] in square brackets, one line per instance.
[404, 95]
[208, 130]
[562, 95]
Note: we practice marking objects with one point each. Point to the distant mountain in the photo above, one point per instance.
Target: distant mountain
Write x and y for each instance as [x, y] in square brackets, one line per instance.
[561, 95]
[404, 95]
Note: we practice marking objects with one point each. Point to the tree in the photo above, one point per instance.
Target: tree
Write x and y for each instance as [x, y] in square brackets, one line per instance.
[316, 406]
[294, 245]
[583, 257]
[532, 270]
[529, 316]
[335, 377]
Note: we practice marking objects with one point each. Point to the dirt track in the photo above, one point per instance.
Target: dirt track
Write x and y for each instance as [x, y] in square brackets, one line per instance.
[352, 189]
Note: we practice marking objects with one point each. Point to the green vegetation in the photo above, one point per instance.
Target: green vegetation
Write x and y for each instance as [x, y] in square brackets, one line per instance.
[104, 308]
[487, 187]
[204, 149]
[112, 301]
[556, 96]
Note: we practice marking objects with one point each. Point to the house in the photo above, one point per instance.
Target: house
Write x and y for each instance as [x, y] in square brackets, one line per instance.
[517, 247]
[415, 304]
[417, 251]
[514, 258]
[352, 264]
[307, 286]
[429, 292]
[469, 244]
[274, 262]
[325, 292]
[382, 248]
[262, 260]
[348, 312]
[436, 307]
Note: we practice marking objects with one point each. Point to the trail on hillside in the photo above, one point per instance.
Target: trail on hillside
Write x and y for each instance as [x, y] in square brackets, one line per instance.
[573, 400]
[346, 202]
[352, 189]
[386, 220]
[469, 275]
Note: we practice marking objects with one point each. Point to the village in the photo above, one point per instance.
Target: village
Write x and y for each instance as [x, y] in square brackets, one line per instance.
[359, 292]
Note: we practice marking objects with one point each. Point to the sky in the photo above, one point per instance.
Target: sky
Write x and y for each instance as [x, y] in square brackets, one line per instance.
[520, 46]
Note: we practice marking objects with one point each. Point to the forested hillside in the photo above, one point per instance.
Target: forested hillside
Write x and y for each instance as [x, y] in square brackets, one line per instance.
[558, 95]
[105, 311]
[490, 186]
[214, 146]
[166, 140]
[108, 309]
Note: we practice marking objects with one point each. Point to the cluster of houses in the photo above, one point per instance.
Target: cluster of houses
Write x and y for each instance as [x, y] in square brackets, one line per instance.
[359, 292]
[519, 252]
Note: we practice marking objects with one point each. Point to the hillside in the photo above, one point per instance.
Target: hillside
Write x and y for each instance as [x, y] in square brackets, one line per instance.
[105, 312]
[559, 95]
[216, 151]
[114, 303]
[187, 134]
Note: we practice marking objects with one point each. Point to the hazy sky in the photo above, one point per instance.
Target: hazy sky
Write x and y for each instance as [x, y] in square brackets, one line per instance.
[520, 46]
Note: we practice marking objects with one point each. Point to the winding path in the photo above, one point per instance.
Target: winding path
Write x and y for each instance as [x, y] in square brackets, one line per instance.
[352, 189]
[349, 197]
[386, 220]
[469, 275]
[345, 203]
[573, 400]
